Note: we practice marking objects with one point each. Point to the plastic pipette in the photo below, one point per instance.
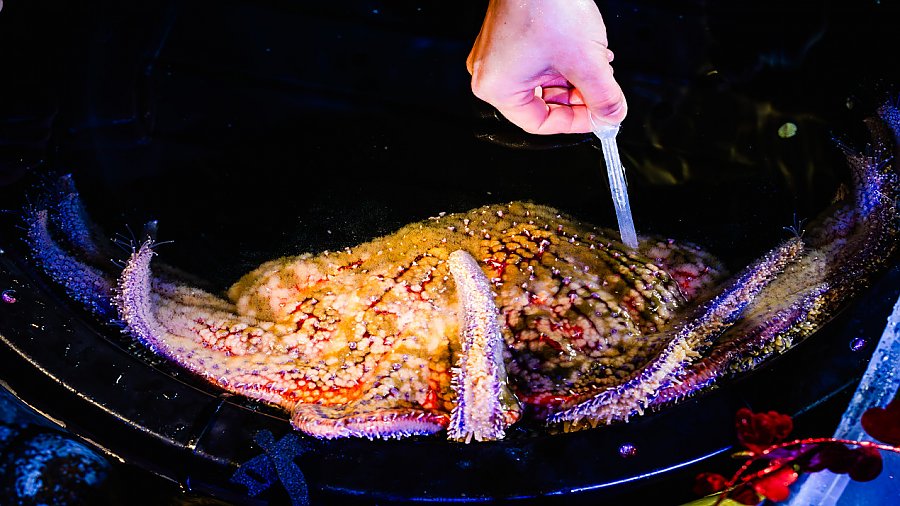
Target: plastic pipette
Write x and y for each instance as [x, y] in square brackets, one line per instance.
[616, 173]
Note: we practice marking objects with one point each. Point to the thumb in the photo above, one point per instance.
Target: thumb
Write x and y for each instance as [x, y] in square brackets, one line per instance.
[599, 89]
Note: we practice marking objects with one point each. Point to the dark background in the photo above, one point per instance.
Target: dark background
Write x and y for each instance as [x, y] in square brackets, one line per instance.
[252, 130]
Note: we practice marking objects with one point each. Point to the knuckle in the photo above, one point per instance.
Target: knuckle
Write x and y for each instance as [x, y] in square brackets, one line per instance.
[485, 87]
[480, 90]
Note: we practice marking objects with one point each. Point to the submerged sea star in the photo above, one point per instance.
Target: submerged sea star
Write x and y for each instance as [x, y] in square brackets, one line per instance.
[460, 321]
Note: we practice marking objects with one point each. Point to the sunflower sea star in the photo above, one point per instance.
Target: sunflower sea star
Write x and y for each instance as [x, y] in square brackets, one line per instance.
[461, 321]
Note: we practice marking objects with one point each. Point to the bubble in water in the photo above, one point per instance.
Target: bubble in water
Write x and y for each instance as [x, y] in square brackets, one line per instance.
[857, 344]
[627, 450]
[9, 296]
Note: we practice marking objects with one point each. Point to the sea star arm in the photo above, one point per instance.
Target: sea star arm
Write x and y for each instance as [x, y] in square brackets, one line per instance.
[84, 283]
[762, 330]
[203, 332]
[620, 402]
[844, 249]
[485, 406]
[71, 217]
[239, 355]
[366, 419]
[231, 351]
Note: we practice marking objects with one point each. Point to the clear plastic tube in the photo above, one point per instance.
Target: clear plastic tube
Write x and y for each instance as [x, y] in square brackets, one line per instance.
[617, 184]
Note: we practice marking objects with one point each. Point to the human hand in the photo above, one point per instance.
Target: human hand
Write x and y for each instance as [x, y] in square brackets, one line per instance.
[544, 63]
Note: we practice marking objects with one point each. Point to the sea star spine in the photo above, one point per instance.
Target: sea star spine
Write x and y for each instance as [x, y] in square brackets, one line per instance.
[484, 404]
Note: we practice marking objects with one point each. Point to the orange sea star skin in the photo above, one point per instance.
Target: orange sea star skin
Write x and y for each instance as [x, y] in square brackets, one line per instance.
[558, 283]
[375, 329]
[364, 341]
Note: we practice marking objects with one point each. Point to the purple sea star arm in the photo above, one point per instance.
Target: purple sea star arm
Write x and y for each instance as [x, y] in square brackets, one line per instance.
[843, 251]
[84, 283]
[365, 419]
[71, 218]
[484, 404]
[631, 397]
[769, 330]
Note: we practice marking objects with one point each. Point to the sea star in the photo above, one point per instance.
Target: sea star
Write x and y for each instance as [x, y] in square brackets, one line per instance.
[458, 321]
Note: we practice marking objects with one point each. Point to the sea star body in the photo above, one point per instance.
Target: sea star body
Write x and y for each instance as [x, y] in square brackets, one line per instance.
[459, 321]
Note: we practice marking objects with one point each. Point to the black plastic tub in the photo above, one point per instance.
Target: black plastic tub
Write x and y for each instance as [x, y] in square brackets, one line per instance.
[257, 130]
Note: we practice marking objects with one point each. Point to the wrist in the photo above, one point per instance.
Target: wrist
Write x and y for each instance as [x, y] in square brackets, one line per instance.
[547, 7]
[554, 17]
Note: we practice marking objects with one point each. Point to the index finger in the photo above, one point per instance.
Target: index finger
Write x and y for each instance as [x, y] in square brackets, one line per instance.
[534, 115]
